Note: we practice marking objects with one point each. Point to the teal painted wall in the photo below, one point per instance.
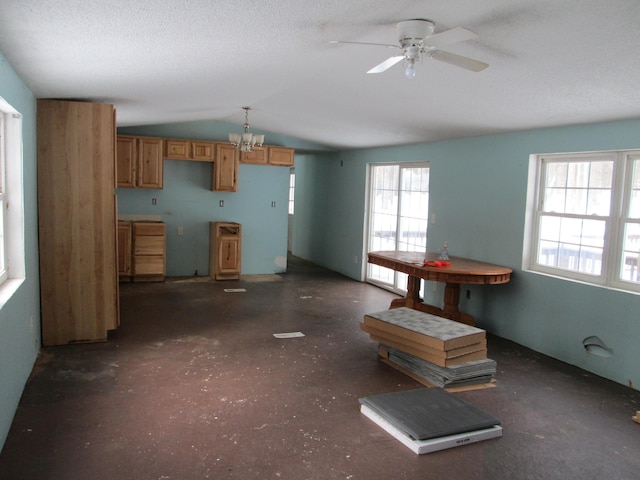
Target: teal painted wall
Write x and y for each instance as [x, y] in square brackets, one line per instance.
[478, 193]
[187, 201]
[20, 316]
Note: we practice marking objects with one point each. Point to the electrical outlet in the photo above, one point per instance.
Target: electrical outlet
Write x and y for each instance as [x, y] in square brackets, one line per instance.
[468, 294]
[154, 201]
[180, 231]
[221, 203]
[434, 286]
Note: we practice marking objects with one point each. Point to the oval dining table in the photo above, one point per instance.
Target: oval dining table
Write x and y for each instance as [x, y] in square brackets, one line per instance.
[459, 271]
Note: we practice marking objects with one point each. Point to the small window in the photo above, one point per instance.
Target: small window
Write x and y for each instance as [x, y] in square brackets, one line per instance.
[586, 223]
[11, 200]
[292, 190]
[4, 274]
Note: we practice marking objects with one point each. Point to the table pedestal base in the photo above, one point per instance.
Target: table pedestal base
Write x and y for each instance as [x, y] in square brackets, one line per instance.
[451, 300]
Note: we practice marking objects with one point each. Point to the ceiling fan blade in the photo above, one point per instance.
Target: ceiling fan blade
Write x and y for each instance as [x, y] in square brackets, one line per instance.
[459, 60]
[366, 43]
[388, 63]
[458, 34]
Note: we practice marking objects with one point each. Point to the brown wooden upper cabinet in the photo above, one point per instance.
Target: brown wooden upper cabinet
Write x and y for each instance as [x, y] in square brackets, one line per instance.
[139, 162]
[266, 155]
[282, 156]
[257, 156]
[225, 168]
[195, 150]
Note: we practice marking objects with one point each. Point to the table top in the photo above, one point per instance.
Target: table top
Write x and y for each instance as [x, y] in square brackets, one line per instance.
[461, 270]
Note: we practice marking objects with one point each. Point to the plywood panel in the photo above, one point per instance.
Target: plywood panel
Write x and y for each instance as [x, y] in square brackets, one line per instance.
[77, 221]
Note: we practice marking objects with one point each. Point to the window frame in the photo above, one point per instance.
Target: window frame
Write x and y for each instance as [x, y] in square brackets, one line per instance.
[614, 231]
[395, 281]
[4, 260]
[13, 202]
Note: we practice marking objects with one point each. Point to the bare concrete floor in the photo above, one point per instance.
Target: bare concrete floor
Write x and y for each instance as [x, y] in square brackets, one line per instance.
[194, 385]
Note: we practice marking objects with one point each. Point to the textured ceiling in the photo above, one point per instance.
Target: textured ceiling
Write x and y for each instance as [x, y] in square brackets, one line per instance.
[552, 62]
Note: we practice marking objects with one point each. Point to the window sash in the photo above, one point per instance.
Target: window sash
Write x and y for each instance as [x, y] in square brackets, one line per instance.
[4, 274]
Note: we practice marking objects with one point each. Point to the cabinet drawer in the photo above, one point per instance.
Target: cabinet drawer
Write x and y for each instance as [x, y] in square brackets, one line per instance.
[148, 264]
[204, 151]
[177, 149]
[148, 245]
[149, 228]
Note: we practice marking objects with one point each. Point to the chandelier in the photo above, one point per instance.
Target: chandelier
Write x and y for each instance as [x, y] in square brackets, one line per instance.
[246, 141]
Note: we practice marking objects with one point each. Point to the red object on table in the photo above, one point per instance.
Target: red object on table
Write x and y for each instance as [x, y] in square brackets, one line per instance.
[437, 263]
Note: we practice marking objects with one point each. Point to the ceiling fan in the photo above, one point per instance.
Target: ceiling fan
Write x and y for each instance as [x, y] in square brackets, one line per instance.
[416, 38]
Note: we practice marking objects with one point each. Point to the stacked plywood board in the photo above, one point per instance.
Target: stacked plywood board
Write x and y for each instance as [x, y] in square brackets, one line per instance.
[431, 349]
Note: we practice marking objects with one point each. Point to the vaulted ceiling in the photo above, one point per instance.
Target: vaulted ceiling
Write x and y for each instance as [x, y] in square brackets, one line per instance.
[552, 63]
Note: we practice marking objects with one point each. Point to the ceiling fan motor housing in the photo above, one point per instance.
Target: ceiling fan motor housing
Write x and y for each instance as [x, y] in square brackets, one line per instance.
[413, 32]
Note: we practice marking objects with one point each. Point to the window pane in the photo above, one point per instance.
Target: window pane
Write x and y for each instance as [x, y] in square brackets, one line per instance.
[601, 175]
[2, 257]
[599, 202]
[571, 244]
[576, 201]
[593, 233]
[554, 200]
[631, 253]
[634, 203]
[548, 254]
[557, 174]
[578, 174]
[550, 228]
[570, 230]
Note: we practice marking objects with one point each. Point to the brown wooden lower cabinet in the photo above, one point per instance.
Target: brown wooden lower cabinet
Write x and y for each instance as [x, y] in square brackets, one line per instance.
[124, 251]
[142, 251]
[225, 250]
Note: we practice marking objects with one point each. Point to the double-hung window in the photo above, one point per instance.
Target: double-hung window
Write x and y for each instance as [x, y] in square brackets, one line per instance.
[586, 220]
[4, 274]
[12, 266]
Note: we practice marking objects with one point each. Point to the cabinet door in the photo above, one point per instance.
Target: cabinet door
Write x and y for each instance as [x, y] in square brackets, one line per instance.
[150, 163]
[228, 255]
[126, 155]
[282, 156]
[225, 169]
[257, 156]
[124, 249]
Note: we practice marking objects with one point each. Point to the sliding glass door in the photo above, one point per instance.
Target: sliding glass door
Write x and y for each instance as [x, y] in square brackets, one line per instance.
[398, 216]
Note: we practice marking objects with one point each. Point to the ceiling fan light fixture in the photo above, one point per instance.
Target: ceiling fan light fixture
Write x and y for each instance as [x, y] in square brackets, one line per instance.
[417, 39]
[246, 141]
[410, 71]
